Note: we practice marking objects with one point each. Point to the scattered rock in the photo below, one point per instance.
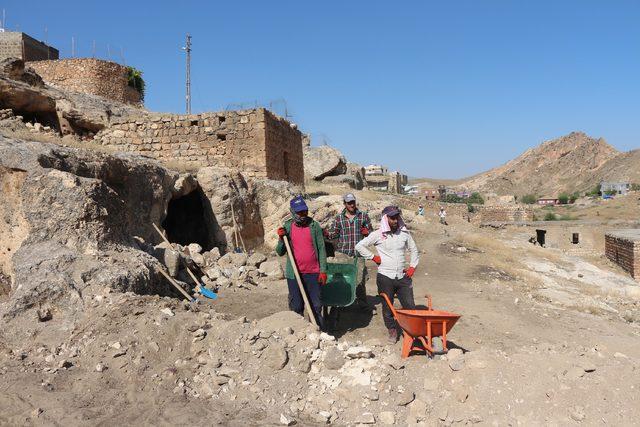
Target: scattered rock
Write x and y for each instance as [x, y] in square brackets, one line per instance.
[272, 269]
[44, 314]
[287, 421]
[194, 248]
[275, 357]
[167, 311]
[256, 259]
[574, 373]
[367, 418]
[100, 367]
[404, 398]
[577, 413]
[359, 353]
[333, 359]
[387, 417]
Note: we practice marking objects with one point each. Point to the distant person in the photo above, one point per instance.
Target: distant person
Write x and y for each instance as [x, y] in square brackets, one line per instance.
[307, 245]
[443, 216]
[391, 241]
[420, 210]
[349, 227]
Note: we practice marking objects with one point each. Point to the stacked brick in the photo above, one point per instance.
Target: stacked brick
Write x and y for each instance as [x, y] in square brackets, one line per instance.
[88, 75]
[255, 142]
[623, 248]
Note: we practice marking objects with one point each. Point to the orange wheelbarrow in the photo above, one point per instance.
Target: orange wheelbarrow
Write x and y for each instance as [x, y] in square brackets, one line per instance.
[422, 325]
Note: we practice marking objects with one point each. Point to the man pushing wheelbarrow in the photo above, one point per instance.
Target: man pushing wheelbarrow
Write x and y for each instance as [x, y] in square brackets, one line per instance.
[391, 241]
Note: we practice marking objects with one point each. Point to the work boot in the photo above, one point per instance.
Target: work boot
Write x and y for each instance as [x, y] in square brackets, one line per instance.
[393, 336]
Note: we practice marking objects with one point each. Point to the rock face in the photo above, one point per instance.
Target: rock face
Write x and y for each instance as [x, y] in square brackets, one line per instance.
[323, 161]
[22, 90]
[74, 214]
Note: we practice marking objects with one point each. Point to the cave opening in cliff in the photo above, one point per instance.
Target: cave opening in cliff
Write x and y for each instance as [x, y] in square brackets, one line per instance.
[187, 220]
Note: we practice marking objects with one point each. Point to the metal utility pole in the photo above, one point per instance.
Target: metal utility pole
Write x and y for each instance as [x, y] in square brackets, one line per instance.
[187, 49]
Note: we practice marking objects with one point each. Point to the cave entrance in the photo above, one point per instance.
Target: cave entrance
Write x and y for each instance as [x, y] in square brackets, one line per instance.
[45, 118]
[186, 221]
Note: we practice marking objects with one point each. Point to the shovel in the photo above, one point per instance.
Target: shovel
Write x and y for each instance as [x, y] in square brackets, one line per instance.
[207, 293]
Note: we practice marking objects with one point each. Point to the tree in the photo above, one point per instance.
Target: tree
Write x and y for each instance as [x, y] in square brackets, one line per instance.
[529, 199]
[135, 80]
[475, 198]
[563, 198]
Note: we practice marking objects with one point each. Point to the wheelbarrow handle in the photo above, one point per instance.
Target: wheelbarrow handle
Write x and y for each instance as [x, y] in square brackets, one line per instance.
[428, 297]
[393, 310]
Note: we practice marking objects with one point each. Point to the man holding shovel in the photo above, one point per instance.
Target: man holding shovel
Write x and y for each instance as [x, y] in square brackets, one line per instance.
[307, 245]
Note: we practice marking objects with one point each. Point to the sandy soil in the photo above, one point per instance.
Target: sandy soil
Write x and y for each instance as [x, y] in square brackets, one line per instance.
[530, 357]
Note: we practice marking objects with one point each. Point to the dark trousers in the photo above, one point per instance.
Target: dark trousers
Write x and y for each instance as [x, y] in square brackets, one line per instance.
[402, 287]
[312, 288]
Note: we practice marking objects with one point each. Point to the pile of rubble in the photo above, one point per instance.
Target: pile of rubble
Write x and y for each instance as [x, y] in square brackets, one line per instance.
[231, 270]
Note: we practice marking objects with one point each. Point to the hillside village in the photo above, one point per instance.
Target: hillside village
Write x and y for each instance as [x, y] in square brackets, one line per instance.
[114, 218]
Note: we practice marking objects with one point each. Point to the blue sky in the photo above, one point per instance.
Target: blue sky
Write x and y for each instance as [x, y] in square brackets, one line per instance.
[434, 89]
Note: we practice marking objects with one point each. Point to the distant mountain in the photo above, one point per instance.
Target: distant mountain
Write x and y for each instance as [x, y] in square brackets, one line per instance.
[575, 162]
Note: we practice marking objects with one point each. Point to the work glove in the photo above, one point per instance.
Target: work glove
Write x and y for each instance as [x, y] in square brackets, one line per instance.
[377, 259]
[322, 279]
[364, 231]
[282, 232]
[409, 272]
[325, 233]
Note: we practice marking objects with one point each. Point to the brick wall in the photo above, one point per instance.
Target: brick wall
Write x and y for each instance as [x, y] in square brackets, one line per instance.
[88, 75]
[256, 142]
[623, 248]
[20, 45]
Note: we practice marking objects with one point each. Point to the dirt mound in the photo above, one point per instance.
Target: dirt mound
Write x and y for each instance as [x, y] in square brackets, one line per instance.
[569, 163]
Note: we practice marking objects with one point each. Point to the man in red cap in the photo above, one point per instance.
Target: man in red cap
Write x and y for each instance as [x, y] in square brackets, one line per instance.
[391, 241]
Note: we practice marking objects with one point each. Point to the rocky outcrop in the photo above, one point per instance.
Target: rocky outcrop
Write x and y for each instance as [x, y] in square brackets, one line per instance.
[323, 161]
[22, 90]
[73, 217]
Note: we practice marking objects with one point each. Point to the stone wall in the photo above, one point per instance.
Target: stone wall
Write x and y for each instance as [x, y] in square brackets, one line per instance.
[88, 75]
[25, 47]
[256, 142]
[482, 213]
[623, 248]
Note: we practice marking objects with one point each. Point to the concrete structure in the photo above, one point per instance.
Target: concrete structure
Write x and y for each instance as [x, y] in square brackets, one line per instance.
[25, 47]
[431, 194]
[89, 75]
[623, 248]
[375, 170]
[618, 187]
[256, 142]
[548, 201]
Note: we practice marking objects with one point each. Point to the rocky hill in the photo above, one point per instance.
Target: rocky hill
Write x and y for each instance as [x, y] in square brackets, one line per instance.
[575, 162]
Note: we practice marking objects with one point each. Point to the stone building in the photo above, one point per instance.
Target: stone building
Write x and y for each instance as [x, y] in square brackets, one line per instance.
[22, 46]
[89, 75]
[256, 141]
[623, 248]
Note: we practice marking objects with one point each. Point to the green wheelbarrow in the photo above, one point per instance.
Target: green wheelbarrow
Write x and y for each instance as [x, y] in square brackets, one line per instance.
[340, 290]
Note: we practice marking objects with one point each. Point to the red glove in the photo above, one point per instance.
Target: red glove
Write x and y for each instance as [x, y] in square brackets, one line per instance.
[322, 279]
[377, 259]
[364, 231]
[282, 232]
[409, 272]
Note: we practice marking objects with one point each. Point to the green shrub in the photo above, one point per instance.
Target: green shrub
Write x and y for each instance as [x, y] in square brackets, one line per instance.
[550, 216]
[574, 197]
[452, 198]
[470, 208]
[563, 198]
[595, 191]
[475, 198]
[635, 187]
[135, 80]
[611, 192]
[529, 199]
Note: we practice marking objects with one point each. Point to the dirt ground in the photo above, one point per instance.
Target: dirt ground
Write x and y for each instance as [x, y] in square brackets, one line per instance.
[541, 346]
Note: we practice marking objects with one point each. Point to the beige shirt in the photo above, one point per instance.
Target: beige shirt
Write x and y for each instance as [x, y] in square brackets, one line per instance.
[391, 250]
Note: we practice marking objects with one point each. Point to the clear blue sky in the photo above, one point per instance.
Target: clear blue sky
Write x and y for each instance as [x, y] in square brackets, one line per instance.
[435, 89]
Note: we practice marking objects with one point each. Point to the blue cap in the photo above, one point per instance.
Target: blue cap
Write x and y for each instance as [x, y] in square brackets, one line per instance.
[297, 204]
[391, 211]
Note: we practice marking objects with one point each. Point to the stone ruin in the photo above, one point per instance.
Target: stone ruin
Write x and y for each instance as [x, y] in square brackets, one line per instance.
[623, 248]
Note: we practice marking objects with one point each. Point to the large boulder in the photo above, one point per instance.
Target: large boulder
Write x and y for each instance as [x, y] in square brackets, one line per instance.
[74, 214]
[323, 161]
